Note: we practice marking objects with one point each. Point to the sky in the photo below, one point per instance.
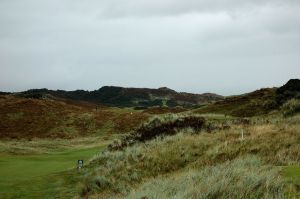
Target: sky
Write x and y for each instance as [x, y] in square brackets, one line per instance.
[222, 46]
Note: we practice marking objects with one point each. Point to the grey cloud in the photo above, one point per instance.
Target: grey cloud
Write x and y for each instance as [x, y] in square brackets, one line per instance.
[123, 8]
[227, 47]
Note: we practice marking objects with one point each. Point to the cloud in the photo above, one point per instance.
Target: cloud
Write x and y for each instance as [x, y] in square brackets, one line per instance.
[219, 46]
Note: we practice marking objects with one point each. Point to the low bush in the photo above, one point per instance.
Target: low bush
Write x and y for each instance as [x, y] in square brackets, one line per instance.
[158, 127]
[168, 126]
[291, 107]
[289, 91]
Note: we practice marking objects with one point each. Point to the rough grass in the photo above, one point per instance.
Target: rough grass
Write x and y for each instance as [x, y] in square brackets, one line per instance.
[291, 107]
[251, 104]
[160, 126]
[117, 173]
[164, 110]
[188, 157]
[43, 118]
[241, 178]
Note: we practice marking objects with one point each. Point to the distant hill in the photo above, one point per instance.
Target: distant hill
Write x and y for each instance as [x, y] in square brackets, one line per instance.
[247, 105]
[290, 90]
[255, 103]
[127, 97]
[4, 93]
[44, 118]
[66, 114]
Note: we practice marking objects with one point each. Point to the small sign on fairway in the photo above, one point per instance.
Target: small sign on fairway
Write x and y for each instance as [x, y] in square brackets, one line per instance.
[80, 164]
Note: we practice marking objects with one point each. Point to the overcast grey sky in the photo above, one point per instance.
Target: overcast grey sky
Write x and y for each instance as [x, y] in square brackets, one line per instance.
[223, 46]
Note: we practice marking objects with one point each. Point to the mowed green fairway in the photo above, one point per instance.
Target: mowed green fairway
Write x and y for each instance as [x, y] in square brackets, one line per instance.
[40, 176]
[292, 173]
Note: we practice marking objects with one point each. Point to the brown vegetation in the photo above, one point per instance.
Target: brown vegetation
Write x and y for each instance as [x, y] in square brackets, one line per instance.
[164, 110]
[159, 127]
[44, 118]
[252, 104]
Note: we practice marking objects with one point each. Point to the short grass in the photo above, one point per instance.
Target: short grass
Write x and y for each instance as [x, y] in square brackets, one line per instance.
[293, 172]
[48, 146]
[43, 175]
[292, 175]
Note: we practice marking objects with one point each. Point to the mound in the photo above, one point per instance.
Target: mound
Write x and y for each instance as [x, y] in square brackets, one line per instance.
[44, 118]
[127, 97]
[290, 90]
[159, 127]
[251, 104]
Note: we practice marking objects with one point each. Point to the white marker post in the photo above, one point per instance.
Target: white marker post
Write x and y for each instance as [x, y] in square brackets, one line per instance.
[242, 134]
[79, 164]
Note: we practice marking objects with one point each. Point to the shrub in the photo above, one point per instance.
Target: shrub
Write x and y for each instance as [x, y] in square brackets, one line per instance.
[160, 126]
[291, 107]
[168, 126]
[290, 90]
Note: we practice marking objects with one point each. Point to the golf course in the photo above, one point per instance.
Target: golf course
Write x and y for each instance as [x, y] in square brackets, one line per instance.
[40, 175]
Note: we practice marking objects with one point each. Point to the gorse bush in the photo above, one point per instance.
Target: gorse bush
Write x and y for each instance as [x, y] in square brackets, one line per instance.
[178, 120]
[241, 178]
[160, 126]
[169, 125]
[291, 107]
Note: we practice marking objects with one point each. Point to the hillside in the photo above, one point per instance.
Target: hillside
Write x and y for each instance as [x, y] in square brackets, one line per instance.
[45, 118]
[195, 163]
[247, 105]
[127, 97]
[159, 152]
[43, 113]
[255, 103]
[288, 91]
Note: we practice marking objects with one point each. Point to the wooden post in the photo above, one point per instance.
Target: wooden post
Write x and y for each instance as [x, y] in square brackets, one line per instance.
[242, 134]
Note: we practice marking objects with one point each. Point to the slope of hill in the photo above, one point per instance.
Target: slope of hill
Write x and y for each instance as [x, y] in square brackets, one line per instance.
[198, 164]
[251, 104]
[127, 97]
[45, 118]
[189, 155]
[255, 103]
[290, 90]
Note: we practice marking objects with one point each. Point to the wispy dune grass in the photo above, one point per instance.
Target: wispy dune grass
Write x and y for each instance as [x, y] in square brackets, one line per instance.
[118, 172]
[242, 178]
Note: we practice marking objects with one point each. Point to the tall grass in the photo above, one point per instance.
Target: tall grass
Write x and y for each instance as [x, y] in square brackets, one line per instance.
[291, 107]
[160, 126]
[118, 172]
[241, 178]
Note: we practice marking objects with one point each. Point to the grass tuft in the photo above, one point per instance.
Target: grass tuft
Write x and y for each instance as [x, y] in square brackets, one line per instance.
[242, 178]
[291, 107]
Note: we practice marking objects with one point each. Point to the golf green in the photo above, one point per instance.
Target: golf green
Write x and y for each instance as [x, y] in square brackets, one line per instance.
[38, 176]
